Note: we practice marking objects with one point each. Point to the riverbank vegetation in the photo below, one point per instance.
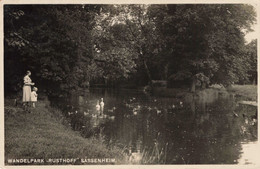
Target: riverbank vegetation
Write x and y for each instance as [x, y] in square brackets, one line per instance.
[44, 133]
[247, 91]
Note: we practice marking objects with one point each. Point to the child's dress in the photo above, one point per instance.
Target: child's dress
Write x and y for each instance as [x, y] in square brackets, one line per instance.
[98, 108]
[33, 96]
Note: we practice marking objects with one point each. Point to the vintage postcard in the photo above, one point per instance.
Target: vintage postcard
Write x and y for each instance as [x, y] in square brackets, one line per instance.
[129, 84]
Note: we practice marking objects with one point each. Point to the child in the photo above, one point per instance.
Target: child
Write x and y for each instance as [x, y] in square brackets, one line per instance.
[98, 107]
[34, 96]
[102, 106]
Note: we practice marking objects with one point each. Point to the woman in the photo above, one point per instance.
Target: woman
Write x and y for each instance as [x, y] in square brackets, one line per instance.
[27, 89]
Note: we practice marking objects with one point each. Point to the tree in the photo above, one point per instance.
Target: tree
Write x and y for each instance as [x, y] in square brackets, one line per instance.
[205, 41]
[56, 42]
[41, 45]
[251, 53]
[69, 46]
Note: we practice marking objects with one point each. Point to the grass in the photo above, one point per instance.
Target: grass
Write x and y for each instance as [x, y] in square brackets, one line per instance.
[247, 91]
[44, 133]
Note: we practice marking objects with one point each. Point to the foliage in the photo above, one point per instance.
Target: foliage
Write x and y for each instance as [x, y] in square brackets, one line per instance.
[56, 44]
[206, 39]
[71, 46]
[251, 54]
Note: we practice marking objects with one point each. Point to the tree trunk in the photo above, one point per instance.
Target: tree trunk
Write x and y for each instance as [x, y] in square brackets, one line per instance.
[166, 68]
[193, 85]
[147, 71]
[203, 85]
[254, 81]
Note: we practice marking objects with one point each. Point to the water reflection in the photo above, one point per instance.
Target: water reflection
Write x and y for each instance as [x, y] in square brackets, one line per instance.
[207, 128]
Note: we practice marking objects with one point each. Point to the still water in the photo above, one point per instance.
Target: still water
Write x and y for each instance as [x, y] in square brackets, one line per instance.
[211, 128]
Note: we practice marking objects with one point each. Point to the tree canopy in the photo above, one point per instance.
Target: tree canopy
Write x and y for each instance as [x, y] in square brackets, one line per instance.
[69, 46]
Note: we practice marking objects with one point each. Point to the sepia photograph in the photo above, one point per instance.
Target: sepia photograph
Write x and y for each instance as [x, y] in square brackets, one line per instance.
[130, 84]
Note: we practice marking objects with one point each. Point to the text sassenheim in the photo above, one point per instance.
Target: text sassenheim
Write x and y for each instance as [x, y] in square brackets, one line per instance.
[98, 160]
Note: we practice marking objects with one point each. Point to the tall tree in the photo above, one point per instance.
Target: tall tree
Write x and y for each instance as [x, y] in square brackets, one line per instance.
[206, 42]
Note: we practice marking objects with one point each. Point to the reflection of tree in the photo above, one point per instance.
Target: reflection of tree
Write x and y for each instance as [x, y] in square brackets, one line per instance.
[212, 137]
[202, 131]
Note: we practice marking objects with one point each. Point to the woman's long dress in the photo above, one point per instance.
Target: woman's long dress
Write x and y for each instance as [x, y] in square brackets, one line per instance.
[27, 89]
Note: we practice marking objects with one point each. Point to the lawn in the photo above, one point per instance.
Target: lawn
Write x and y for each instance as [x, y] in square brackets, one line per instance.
[248, 91]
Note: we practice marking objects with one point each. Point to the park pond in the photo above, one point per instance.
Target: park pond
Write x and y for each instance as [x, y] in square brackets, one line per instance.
[209, 128]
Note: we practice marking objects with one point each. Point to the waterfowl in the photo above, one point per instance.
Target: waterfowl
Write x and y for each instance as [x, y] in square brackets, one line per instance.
[132, 99]
[85, 113]
[149, 108]
[158, 111]
[94, 115]
[128, 105]
[112, 117]
[112, 110]
[246, 121]
[135, 112]
[181, 104]
[70, 113]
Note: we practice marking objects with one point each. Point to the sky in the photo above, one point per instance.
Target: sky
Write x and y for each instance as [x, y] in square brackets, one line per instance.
[251, 35]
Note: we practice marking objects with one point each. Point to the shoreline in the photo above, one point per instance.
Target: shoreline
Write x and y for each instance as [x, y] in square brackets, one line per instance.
[45, 134]
[247, 92]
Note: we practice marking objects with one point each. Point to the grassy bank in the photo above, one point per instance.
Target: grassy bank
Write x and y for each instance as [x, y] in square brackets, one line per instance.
[44, 133]
[247, 91]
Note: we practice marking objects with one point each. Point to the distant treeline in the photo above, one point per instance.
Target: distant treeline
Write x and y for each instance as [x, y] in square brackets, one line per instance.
[67, 47]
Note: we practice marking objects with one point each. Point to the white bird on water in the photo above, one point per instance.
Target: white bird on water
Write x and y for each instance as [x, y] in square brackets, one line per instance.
[149, 108]
[112, 117]
[112, 110]
[158, 111]
[181, 103]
